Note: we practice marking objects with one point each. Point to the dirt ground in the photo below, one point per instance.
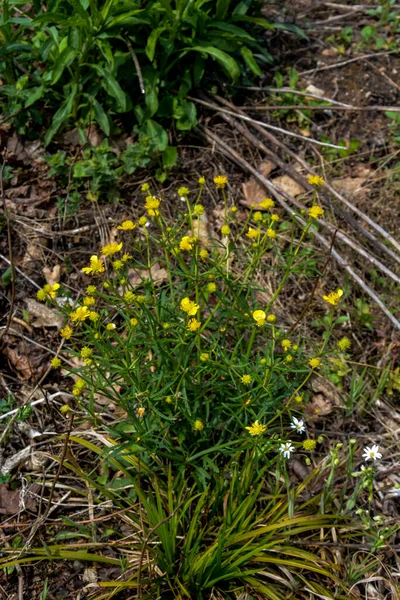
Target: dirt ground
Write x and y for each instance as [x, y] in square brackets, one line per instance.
[48, 247]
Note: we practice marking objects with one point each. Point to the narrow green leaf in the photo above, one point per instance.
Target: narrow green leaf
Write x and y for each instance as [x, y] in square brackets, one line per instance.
[228, 63]
[101, 117]
[61, 116]
[250, 61]
[63, 61]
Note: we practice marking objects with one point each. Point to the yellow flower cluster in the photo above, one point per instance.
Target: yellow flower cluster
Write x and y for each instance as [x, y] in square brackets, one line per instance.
[344, 344]
[127, 225]
[152, 205]
[256, 428]
[315, 180]
[266, 203]
[220, 181]
[189, 307]
[48, 291]
[187, 242]
[259, 316]
[315, 212]
[111, 249]
[96, 266]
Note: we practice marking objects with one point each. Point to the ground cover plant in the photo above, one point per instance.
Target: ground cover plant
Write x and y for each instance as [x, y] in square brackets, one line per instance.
[175, 330]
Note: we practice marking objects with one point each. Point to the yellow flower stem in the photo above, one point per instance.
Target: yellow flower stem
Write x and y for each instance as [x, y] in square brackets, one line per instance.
[199, 194]
[225, 203]
[270, 368]
[288, 267]
[251, 341]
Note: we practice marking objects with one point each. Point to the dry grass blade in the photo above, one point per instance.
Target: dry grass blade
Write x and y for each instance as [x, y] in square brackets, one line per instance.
[279, 196]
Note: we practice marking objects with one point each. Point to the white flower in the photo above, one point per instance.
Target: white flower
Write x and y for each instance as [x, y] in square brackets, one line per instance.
[182, 198]
[372, 453]
[298, 425]
[286, 449]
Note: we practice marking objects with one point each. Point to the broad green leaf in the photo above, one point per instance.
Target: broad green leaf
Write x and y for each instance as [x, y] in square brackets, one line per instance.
[112, 87]
[229, 64]
[33, 94]
[101, 117]
[169, 157]
[250, 61]
[63, 61]
[152, 42]
[255, 20]
[61, 116]
[222, 9]
[156, 133]
[230, 28]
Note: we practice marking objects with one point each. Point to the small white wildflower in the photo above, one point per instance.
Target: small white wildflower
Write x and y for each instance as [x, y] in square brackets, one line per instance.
[286, 449]
[182, 199]
[372, 453]
[297, 425]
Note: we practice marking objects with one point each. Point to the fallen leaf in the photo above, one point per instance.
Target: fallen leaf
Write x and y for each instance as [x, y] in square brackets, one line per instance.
[18, 358]
[312, 89]
[323, 401]
[288, 185]
[157, 273]
[351, 186]
[45, 316]
[253, 192]
[52, 276]
[204, 231]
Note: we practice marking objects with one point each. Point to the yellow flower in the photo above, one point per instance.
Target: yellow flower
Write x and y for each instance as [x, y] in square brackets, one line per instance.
[298, 399]
[246, 379]
[314, 363]
[143, 221]
[111, 326]
[198, 425]
[65, 409]
[183, 191]
[168, 400]
[203, 254]
[252, 234]
[256, 428]
[193, 325]
[129, 296]
[267, 203]
[41, 295]
[201, 180]
[80, 384]
[117, 265]
[315, 180]
[111, 249]
[186, 243]
[140, 412]
[289, 358]
[48, 291]
[86, 352]
[259, 316]
[125, 257]
[286, 345]
[344, 343]
[211, 287]
[88, 301]
[152, 204]
[225, 230]
[96, 266]
[271, 318]
[127, 225]
[234, 209]
[271, 233]
[189, 307]
[91, 290]
[204, 356]
[315, 212]
[309, 445]
[333, 297]
[134, 322]
[220, 181]
[55, 362]
[275, 217]
[145, 187]
[257, 216]
[80, 314]
[94, 316]
[76, 392]
[66, 332]
[140, 299]
[198, 209]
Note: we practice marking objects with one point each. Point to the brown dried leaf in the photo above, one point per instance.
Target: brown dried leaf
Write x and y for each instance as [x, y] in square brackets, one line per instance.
[351, 186]
[52, 276]
[288, 185]
[158, 275]
[323, 401]
[18, 358]
[45, 316]
[204, 230]
[253, 192]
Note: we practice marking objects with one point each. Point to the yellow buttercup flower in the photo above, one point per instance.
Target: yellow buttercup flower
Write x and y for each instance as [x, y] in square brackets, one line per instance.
[91, 290]
[66, 332]
[86, 352]
[117, 265]
[111, 249]
[55, 362]
[204, 356]
[183, 191]
[225, 230]
[198, 425]
[220, 181]
[259, 316]
[145, 187]
[94, 316]
[193, 325]
[271, 233]
[315, 180]
[198, 209]
[189, 307]
[41, 295]
[201, 180]
[271, 318]
[152, 204]
[298, 399]
[333, 297]
[203, 254]
[211, 287]
[246, 379]
[80, 314]
[286, 345]
[143, 221]
[275, 217]
[309, 445]
[89, 301]
[127, 225]
[186, 243]
[253, 234]
[315, 212]
[257, 216]
[314, 363]
[256, 428]
[48, 291]
[134, 322]
[344, 343]
[96, 266]
[111, 326]
[266, 203]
